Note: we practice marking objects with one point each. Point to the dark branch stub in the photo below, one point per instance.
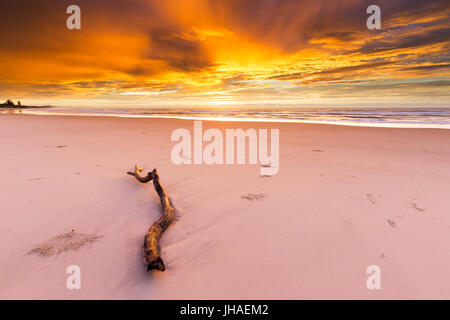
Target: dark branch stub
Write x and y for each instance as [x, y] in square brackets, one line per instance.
[151, 241]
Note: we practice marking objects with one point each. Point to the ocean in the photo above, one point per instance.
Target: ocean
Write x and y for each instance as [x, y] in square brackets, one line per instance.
[373, 117]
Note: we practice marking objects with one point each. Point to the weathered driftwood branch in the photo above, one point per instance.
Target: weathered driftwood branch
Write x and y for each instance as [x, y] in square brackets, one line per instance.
[151, 241]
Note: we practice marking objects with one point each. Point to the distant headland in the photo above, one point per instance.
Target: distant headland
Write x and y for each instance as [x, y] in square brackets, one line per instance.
[9, 104]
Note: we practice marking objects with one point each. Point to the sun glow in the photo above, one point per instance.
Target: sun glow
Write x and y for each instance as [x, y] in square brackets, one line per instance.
[226, 53]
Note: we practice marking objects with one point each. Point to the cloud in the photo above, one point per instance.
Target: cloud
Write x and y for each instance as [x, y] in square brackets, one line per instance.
[184, 49]
[429, 67]
[435, 36]
[299, 75]
[178, 50]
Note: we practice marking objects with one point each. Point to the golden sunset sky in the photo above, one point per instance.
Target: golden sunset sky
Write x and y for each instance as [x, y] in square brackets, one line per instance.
[225, 53]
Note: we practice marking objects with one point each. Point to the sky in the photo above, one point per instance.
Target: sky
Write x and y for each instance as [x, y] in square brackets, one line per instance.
[220, 53]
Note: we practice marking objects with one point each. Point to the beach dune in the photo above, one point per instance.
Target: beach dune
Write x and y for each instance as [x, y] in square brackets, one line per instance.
[344, 198]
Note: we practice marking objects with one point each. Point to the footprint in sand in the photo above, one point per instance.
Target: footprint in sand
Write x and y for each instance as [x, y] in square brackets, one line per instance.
[57, 146]
[392, 223]
[371, 198]
[37, 179]
[71, 240]
[416, 207]
[254, 196]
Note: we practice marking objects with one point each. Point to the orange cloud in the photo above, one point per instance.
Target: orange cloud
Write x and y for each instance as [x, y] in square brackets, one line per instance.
[242, 52]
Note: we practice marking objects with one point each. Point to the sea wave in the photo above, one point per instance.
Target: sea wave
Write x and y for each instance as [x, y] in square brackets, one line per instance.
[374, 117]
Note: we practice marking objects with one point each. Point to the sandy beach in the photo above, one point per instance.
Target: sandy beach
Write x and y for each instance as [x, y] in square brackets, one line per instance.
[344, 198]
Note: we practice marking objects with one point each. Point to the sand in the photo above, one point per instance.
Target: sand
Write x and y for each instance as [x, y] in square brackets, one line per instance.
[344, 198]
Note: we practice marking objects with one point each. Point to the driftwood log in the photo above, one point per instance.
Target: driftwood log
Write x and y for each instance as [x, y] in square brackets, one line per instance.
[152, 256]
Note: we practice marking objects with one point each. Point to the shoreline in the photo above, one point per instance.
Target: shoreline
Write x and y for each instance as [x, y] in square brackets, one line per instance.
[235, 119]
[256, 122]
